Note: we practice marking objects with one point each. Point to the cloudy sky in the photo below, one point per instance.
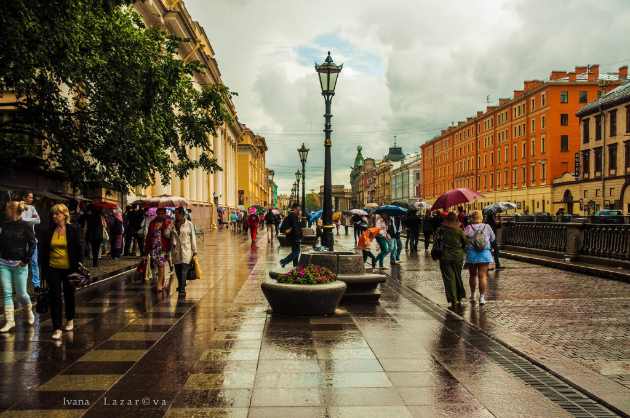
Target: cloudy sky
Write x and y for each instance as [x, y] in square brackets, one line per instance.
[411, 67]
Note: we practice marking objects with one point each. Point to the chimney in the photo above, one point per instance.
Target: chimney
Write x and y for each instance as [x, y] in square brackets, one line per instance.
[460, 124]
[518, 93]
[450, 129]
[557, 75]
[490, 108]
[572, 76]
[443, 132]
[595, 70]
[581, 69]
[503, 101]
[623, 72]
[479, 112]
[469, 120]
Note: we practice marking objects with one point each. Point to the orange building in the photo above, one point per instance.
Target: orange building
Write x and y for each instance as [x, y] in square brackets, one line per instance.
[513, 151]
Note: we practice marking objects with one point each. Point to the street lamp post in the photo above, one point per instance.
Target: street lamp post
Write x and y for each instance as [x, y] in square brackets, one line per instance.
[303, 154]
[328, 73]
[297, 183]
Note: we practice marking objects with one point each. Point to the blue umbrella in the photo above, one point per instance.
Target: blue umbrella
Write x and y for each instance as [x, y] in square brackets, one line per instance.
[316, 215]
[391, 210]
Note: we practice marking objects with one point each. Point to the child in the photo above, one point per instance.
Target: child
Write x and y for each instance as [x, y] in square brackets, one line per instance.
[367, 245]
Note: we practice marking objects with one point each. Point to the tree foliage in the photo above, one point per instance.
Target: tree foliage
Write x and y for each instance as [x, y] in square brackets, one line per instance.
[104, 95]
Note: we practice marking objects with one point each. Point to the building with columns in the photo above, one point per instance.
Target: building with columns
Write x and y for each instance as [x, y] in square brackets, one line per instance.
[254, 187]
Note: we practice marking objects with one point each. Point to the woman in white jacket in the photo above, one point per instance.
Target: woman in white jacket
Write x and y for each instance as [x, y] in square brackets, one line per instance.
[183, 246]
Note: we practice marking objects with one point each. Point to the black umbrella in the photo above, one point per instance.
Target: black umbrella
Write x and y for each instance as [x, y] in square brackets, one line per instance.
[401, 205]
[347, 213]
[138, 202]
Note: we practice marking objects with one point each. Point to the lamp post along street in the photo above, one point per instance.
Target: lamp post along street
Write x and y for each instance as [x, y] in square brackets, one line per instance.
[303, 154]
[328, 73]
[297, 184]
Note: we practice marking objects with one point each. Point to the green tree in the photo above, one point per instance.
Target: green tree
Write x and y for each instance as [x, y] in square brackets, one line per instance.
[311, 203]
[102, 94]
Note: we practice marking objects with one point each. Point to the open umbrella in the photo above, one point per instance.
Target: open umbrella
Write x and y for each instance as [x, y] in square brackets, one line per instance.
[401, 205]
[316, 215]
[456, 197]
[103, 206]
[138, 202]
[336, 216]
[421, 205]
[359, 212]
[366, 234]
[391, 210]
[275, 211]
[165, 201]
[347, 213]
[371, 205]
[498, 208]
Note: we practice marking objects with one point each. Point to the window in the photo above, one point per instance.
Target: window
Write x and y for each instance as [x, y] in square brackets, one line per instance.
[585, 130]
[499, 155]
[598, 128]
[564, 142]
[515, 132]
[542, 122]
[524, 147]
[491, 180]
[598, 160]
[533, 125]
[627, 119]
[613, 123]
[564, 97]
[514, 174]
[498, 178]
[627, 156]
[612, 157]
[518, 111]
[533, 104]
[506, 154]
[417, 176]
[524, 131]
[586, 163]
[478, 160]
[515, 152]
[543, 98]
[524, 174]
[533, 147]
[485, 159]
[583, 97]
[519, 130]
[533, 172]
[506, 177]
[542, 172]
[491, 158]
[564, 119]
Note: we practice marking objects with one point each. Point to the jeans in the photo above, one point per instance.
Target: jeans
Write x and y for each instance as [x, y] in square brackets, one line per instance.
[181, 271]
[10, 276]
[382, 242]
[270, 229]
[96, 250]
[277, 229]
[357, 233]
[368, 254]
[34, 266]
[495, 250]
[129, 237]
[398, 247]
[393, 248]
[408, 233]
[55, 278]
[427, 238]
[414, 240]
[346, 227]
[294, 255]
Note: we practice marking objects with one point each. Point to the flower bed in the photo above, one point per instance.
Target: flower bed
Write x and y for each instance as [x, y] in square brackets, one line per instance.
[308, 275]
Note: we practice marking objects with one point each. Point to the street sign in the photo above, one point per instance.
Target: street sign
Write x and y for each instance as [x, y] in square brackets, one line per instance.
[577, 165]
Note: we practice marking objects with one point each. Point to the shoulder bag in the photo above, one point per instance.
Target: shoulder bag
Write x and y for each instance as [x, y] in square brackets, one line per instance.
[438, 244]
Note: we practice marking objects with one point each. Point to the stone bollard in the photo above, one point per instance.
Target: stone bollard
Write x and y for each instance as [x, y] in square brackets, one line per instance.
[575, 238]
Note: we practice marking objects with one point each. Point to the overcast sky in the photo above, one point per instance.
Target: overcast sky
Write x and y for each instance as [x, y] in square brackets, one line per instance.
[411, 67]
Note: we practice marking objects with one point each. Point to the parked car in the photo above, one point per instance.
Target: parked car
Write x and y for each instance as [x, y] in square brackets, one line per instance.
[543, 216]
[608, 216]
[609, 212]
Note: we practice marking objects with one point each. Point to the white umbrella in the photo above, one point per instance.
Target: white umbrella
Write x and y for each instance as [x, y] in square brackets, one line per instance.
[499, 207]
[421, 205]
[165, 201]
[371, 205]
[359, 212]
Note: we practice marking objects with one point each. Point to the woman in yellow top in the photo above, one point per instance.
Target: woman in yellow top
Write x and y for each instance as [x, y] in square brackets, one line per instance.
[60, 257]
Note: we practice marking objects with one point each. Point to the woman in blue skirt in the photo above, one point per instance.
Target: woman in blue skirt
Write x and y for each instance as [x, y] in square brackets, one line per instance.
[478, 259]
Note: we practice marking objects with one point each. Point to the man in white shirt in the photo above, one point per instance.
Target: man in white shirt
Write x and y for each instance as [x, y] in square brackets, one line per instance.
[31, 217]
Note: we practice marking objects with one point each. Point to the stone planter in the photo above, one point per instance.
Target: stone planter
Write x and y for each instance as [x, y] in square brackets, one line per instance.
[303, 299]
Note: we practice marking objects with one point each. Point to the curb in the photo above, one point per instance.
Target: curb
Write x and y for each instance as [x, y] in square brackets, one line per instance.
[520, 353]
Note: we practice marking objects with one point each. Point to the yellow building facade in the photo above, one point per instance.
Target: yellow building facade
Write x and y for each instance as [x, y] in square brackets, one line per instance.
[254, 186]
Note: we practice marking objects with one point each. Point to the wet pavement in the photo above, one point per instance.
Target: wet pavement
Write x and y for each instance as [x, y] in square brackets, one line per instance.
[219, 352]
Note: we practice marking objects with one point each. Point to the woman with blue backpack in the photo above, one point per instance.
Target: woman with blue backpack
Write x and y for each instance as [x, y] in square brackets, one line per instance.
[478, 255]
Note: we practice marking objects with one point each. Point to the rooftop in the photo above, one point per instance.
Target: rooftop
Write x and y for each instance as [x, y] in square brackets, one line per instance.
[619, 93]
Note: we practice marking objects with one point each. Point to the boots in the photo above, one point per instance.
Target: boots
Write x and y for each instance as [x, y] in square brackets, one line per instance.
[29, 313]
[8, 316]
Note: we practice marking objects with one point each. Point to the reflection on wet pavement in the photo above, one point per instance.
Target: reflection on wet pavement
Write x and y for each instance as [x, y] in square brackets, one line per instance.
[219, 352]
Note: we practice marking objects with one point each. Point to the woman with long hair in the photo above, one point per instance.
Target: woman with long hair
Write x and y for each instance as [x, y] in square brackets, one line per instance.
[17, 245]
[478, 259]
[61, 255]
[183, 246]
[158, 245]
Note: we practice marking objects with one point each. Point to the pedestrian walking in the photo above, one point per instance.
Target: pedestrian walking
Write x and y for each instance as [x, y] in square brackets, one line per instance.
[245, 222]
[61, 256]
[356, 223]
[252, 222]
[478, 255]
[17, 247]
[234, 220]
[396, 230]
[383, 238]
[427, 230]
[181, 232]
[293, 233]
[31, 217]
[96, 227]
[158, 245]
[492, 223]
[366, 249]
[278, 222]
[116, 231]
[129, 220]
[270, 219]
[318, 231]
[413, 227]
[239, 220]
[452, 258]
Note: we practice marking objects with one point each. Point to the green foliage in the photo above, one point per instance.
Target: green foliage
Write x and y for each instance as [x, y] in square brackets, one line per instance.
[311, 203]
[102, 95]
[308, 275]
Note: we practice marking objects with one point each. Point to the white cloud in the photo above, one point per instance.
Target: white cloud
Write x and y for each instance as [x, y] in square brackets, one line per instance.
[410, 67]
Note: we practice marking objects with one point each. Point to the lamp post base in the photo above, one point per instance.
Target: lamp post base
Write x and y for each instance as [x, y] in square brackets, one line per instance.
[328, 239]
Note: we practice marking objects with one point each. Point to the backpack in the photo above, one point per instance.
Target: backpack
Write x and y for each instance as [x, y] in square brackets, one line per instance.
[438, 244]
[285, 225]
[479, 241]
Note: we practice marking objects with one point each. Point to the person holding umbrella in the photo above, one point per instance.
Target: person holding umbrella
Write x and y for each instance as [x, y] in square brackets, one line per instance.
[427, 230]
[252, 223]
[158, 245]
[365, 243]
[492, 223]
[183, 246]
[383, 238]
[452, 259]
[270, 220]
[413, 226]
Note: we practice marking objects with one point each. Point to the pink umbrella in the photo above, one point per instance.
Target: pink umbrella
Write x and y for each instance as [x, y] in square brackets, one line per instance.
[252, 210]
[456, 197]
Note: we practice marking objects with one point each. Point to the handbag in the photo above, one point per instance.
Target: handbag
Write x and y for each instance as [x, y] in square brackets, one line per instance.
[142, 267]
[438, 245]
[43, 300]
[80, 278]
[197, 268]
[148, 275]
[192, 273]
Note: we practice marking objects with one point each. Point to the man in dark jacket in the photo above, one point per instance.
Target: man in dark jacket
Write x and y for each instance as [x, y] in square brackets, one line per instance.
[356, 223]
[413, 226]
[294, 235]
[492, 223]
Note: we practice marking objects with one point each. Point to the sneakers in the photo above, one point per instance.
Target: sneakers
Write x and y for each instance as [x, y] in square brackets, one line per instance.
[482, 300]
[56, 336]
[281, 264]
[473, 298]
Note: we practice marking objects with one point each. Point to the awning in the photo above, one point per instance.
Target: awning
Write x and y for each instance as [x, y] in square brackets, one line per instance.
[37, 192]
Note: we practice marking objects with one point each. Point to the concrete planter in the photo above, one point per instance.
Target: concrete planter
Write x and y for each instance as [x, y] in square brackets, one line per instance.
[303, 299]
